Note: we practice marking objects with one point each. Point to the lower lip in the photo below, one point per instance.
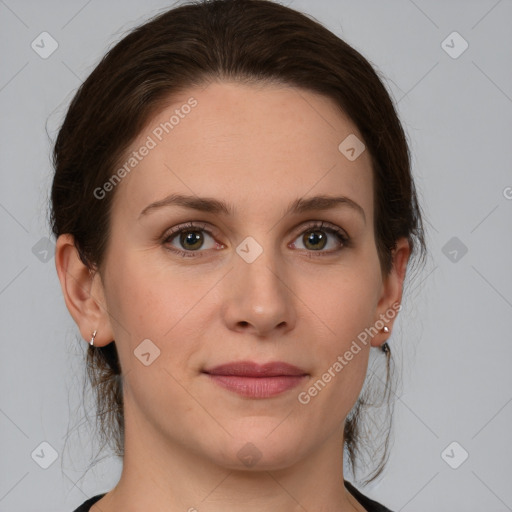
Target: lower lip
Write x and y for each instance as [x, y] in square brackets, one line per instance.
[258, 387]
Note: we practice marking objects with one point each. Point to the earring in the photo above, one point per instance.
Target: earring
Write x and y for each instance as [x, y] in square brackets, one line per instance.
[385, 347]
[92, 339]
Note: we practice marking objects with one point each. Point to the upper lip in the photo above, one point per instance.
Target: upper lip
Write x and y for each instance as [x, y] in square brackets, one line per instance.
[252, 369]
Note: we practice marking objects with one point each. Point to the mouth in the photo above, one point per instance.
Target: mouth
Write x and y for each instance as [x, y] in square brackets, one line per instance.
[252, 380]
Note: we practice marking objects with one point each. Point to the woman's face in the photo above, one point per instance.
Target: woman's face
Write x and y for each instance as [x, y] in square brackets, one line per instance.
[258, 281]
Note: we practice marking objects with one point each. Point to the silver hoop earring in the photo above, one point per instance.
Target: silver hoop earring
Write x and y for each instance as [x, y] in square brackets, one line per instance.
[385, 347]
[92, 339]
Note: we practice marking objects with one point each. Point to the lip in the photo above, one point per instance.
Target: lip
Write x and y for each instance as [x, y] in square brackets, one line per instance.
[252, 369]
[253, 380]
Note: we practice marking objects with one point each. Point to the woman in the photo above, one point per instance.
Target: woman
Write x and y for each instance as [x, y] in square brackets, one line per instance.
[235, 216]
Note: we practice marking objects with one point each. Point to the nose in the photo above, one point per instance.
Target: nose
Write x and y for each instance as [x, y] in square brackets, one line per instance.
[258, 296]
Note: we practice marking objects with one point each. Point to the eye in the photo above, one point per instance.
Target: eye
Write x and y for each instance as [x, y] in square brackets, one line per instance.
[314, 239]
[191, 238]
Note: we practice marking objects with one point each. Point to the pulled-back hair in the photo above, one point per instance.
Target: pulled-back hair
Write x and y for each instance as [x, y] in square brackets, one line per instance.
[249, 41]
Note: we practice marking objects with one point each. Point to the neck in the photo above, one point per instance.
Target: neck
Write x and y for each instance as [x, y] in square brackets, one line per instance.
[162, 476]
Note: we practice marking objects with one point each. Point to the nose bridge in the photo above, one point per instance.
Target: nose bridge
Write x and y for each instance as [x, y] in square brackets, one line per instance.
[259, 267]
[259, 293]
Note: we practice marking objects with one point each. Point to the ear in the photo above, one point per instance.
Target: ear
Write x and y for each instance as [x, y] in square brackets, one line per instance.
[83, 292]
[392, 289]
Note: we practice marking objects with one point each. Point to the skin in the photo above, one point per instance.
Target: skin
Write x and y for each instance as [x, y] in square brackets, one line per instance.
[258, 147]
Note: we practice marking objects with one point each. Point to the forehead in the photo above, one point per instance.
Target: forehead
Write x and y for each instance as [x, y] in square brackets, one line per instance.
[257, 147]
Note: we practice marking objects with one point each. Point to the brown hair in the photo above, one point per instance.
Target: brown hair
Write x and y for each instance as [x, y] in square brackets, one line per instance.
[253, 41]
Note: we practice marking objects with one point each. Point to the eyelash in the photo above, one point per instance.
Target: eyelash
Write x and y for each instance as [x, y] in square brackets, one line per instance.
[318, 225]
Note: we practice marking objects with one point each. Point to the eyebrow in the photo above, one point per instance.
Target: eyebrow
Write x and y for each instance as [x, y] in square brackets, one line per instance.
[215, 206]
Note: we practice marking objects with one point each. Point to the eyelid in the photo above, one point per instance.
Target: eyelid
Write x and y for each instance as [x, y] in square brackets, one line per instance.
[187, 225]
[320, 224]
[213, 231]
[334, 230]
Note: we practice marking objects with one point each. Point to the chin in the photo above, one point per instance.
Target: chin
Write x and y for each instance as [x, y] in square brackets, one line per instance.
[262, 448]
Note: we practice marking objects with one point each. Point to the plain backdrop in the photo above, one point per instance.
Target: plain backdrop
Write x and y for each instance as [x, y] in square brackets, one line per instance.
[451, 440]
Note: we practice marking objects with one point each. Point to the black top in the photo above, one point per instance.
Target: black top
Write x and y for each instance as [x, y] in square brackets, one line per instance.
[368, 504]
[86, 505]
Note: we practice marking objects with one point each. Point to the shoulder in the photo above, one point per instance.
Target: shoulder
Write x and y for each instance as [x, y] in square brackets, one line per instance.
[86, 505]
[368, 504]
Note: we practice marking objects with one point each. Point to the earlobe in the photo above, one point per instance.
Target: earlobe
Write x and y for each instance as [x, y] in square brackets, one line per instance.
[392, 291]
[89, 312]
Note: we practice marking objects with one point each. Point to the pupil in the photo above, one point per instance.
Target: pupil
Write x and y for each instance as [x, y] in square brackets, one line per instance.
[189, 238]
[315, 238]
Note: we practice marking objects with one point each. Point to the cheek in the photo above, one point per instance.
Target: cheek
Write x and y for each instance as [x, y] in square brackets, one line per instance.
[341, 311]
[149, 317]
[145, 298]
[341, 303]
[333, 390]
[341, 353]
[149, 300]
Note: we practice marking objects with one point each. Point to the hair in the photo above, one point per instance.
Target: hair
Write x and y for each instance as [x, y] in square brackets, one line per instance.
[248, 41]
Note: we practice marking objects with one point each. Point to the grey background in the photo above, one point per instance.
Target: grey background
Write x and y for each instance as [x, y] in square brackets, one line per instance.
[453, 335]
